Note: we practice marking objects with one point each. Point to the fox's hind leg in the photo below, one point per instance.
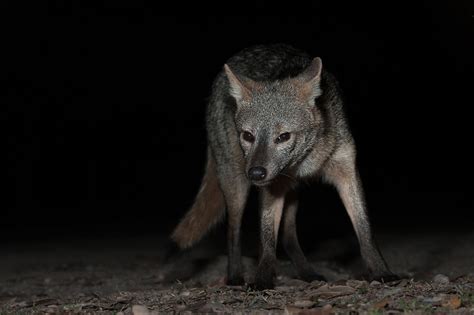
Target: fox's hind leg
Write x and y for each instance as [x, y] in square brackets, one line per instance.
[290, 240]
[235, 188]
[342, 172]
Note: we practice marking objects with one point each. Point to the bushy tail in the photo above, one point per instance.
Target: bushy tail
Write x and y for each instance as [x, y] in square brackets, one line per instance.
[207, 210]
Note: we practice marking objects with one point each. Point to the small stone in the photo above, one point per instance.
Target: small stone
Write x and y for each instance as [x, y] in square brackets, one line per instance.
[435, 300]
[303, 303]
[140, 310]
[185, 293]
[24, 304]
[441, 279]
[375, 283]
[329, 292]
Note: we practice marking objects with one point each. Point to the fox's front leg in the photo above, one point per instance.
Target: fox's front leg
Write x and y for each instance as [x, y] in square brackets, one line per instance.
[235, 194]
[270, 215]
[342, 172]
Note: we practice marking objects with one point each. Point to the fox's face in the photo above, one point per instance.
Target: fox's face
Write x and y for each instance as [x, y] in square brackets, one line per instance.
[277, 122]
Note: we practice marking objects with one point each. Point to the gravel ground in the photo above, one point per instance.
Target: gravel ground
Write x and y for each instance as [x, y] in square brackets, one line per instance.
[130, 276]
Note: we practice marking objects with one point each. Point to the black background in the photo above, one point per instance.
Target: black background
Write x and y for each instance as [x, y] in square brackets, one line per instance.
[104, 112]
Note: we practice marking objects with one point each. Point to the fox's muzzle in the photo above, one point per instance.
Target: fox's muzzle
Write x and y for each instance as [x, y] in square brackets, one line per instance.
[264, 161]
[258, 158]
[257, 173]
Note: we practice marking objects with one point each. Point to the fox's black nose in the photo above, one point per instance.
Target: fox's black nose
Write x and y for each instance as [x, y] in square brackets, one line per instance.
[257, 173]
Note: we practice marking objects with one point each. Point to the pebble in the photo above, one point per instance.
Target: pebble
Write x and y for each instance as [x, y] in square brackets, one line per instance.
[140, 310]
[432, 300]
[185, 293]
[375, 283]
[441, 279]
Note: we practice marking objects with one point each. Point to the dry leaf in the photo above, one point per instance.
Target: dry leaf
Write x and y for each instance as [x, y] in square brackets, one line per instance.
[452, 301]
[45, 302]
[327, 292]
[381, 304]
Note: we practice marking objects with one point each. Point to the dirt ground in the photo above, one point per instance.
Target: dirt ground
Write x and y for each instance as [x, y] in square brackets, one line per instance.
[129, 276]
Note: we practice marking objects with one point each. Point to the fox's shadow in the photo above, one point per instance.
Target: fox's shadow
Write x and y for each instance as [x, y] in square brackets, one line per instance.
[206, 264]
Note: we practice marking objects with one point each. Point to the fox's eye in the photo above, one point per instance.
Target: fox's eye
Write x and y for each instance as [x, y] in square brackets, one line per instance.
[247, 136]
[283, 137]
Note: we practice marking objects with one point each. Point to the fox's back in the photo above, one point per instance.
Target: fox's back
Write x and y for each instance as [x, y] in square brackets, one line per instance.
[270, 62]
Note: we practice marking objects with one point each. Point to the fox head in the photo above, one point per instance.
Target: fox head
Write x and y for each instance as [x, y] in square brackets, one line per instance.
[277, 121]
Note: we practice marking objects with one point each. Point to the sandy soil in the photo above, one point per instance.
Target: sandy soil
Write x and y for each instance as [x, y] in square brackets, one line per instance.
[130, 276]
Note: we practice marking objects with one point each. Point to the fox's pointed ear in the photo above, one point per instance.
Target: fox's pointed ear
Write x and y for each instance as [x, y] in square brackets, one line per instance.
[311, 79]
[240, 87]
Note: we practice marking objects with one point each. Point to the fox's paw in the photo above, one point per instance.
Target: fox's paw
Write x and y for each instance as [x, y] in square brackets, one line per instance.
[312, 276]
[261, 285]
[385, 277]
[237, 281]
[264, 276]
[263, 281]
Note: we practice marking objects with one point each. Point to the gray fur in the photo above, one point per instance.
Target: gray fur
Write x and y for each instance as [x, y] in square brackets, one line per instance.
[269, 90]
